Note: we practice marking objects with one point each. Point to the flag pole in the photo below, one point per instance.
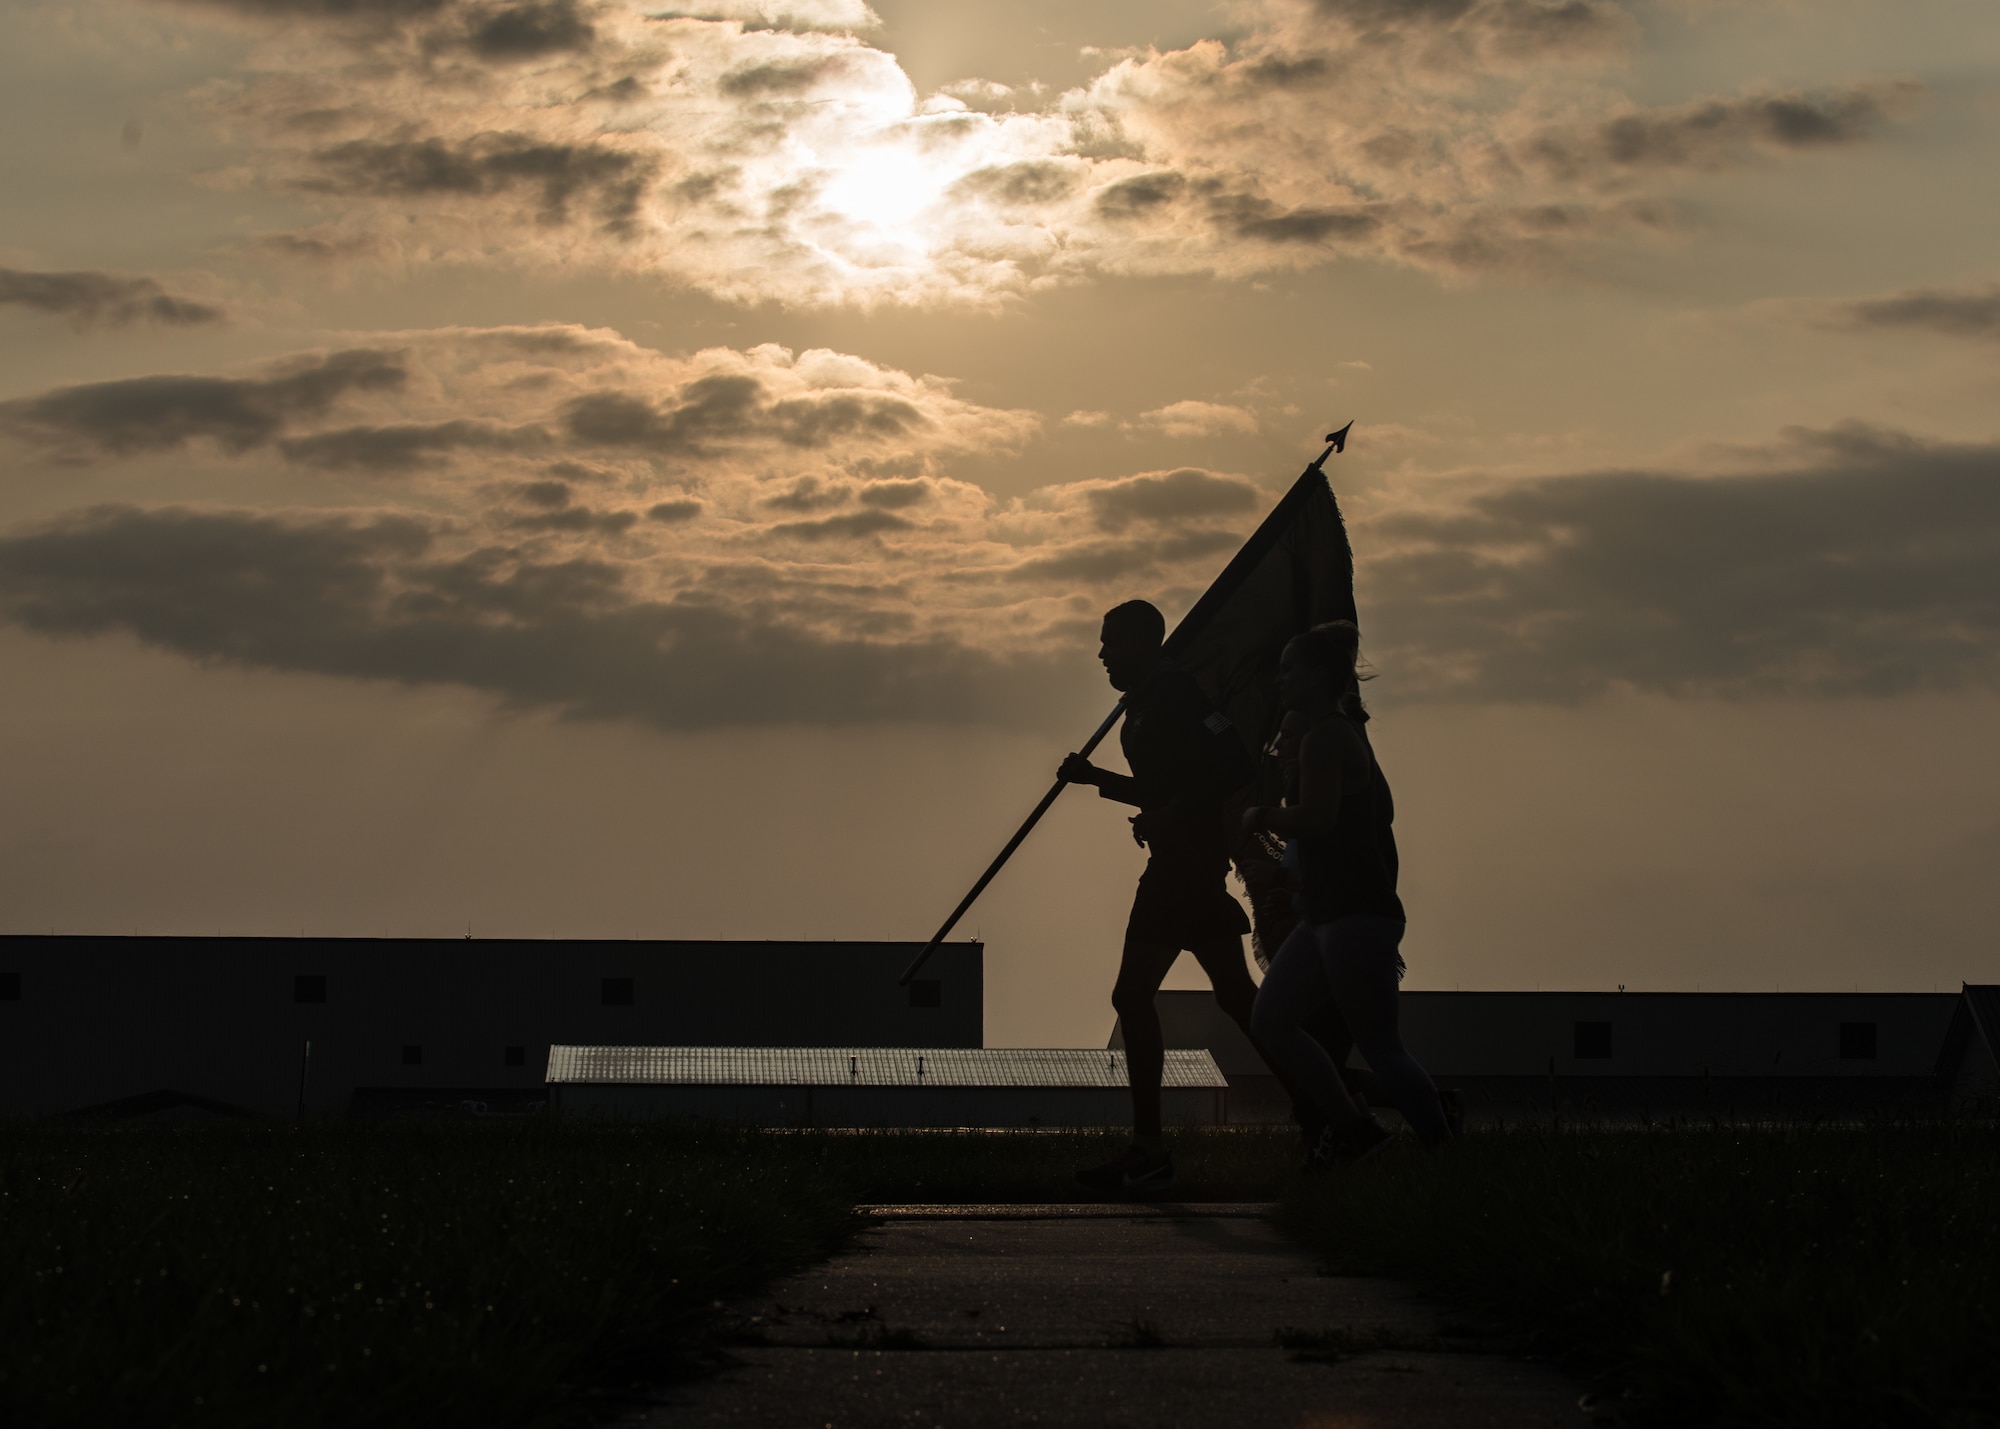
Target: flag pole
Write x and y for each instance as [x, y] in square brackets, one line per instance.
[1224, 585]
[993, 868]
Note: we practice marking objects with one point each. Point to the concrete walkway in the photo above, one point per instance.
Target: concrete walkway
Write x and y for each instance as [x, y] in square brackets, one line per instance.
[1101, 1316]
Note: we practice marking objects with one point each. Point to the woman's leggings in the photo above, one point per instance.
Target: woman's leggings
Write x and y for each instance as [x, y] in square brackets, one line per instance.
[1352, 962]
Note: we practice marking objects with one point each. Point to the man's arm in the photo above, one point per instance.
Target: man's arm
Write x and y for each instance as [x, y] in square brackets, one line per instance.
[1122, 788]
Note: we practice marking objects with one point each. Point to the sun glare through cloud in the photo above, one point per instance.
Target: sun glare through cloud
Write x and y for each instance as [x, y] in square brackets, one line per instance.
[885, 188]
[761, 162]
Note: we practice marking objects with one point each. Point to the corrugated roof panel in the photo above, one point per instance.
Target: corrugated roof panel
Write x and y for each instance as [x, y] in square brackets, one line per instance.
[868, 1066]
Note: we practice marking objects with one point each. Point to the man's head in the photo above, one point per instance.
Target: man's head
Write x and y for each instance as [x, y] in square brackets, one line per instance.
[1131, 641]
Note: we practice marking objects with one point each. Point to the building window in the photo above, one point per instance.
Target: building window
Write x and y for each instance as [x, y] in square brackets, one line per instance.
[10, 987]
[618, 992]
[515, 1056]
[1593, 1040]
[309, 987]
[927, 992]
[1857, 1041]
[413, 1055]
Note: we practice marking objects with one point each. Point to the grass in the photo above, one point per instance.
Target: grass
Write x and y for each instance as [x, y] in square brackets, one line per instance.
[532, 1274]
[337, 1274]
[348, 1274]
[1774, 1276]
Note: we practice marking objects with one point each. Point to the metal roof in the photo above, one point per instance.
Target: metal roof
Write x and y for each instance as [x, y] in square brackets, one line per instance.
[868, 1067]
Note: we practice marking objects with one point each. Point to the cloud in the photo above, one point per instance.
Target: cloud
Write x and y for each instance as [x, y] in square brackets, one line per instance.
[1184, 420]
[835, 15]
[528, 31]
[374, 13]
[852, 527]
[508, 492]
[406, 445]
[376, 599]
[1167, 496]
[769, 153]
[160, 413]
[809, 493]
[1853, 562]
[562, 495]
[1098, 563]
[1247, 216]
[1960, 312]
[443, 395]
[1455, 33]
[1718, 133]
[552, 177]
[88, 298]
[895, 495]
[1867, 564]
[724, 407]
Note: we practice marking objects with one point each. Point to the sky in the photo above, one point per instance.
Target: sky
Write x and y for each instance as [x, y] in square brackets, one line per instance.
[573, 469]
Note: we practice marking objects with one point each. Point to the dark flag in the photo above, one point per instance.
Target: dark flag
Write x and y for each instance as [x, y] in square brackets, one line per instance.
[1296, 571]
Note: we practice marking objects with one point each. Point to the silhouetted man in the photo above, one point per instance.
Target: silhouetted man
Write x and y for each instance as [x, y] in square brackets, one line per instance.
[1186, 762]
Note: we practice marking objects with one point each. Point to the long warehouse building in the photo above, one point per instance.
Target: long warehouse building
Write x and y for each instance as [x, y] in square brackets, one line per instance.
[284, 1026]
[276, 1026]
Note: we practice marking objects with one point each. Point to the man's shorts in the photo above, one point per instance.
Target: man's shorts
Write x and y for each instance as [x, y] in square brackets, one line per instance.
[1183, 900]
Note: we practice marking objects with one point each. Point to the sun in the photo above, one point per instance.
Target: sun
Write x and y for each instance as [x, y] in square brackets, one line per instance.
[884, 188]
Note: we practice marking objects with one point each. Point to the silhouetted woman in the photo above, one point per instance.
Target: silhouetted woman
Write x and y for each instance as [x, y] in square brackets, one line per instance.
[1345, 949]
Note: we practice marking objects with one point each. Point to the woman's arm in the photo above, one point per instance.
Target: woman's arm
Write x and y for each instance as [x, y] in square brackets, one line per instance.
[1318, 806]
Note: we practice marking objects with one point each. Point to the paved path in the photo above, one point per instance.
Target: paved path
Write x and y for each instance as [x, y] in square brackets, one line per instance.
[1165, 1317]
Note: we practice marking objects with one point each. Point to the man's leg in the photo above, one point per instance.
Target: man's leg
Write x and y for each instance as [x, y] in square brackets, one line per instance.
[1140, 973]
[1222, 959]
[1144, 1168]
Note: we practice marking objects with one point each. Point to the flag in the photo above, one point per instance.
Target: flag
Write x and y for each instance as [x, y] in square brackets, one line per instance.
[1296, 571]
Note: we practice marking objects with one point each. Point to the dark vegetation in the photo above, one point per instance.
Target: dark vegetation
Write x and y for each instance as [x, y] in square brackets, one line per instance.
[537, 1273]
[1806, 1276]
[442, 1274]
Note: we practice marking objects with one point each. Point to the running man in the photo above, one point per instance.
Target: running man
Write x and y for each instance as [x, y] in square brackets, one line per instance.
[1186, 762]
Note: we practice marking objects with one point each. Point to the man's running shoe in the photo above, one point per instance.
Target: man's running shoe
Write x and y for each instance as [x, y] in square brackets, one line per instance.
[1454, 1112]
[1134, 1172]
[1347, 1142]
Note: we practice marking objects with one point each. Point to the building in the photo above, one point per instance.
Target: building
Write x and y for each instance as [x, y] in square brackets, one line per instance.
[874, 1086]
[1634, 1054]
[276, 1026]
[285, 1026]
